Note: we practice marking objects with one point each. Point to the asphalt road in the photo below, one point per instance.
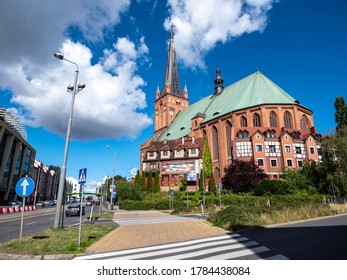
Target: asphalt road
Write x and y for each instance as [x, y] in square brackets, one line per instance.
[318, 239]
[34, 222]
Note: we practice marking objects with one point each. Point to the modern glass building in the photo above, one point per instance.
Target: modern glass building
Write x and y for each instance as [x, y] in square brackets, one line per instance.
[16, 155]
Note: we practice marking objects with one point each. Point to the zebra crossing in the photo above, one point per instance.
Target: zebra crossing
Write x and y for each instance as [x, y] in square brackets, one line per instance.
[225, 247]
[152, 220]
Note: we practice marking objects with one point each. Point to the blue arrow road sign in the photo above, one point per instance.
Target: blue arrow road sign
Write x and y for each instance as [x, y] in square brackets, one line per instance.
[25, 187]
[114, 195]
[82, 176]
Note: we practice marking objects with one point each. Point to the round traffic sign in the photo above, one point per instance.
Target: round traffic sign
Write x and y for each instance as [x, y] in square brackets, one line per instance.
[25, 187]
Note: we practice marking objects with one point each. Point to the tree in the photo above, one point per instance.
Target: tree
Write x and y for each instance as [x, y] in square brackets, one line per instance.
[150, 182]
[212, 184]
[143, 181]
[207, 160]
[137, 178]
[156, 186]
[341, 112]
[334, 162]
[242, 176]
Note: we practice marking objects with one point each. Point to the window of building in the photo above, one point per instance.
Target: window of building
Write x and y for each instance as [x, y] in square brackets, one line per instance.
[273, 162]
[304, 123]
[216, 173]
[215, 143]
[165, 153]
[243, 122]
[245, 134]
[179, 153]
[312, 150]
[298, 150]
[256, 120]
[272, 149]
[289, 162]
[228, 135]
[260, 162]
[300, 163]
[287, 120]
[259, 148]
[287, 148]
[273, 119]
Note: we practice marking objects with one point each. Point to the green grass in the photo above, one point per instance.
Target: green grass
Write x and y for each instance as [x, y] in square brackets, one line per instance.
[238, 217]
[56, 241]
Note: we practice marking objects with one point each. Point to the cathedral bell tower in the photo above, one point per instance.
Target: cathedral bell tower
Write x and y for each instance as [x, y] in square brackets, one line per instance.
[170, 100]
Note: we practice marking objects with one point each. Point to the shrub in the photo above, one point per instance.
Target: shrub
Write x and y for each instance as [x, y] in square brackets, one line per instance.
[271, 187]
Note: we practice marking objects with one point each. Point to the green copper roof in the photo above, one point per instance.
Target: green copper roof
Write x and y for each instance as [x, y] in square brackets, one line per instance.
[251, 91]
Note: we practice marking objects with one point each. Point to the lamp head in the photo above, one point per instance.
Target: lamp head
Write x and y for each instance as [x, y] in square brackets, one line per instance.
[59, 56]
[81, 86]
[70, 88]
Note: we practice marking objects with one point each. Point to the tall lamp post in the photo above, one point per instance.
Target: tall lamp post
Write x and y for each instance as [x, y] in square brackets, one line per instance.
[74, 89]
[114, 165]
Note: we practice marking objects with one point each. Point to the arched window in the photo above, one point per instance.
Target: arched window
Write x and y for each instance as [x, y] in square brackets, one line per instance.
[243, 122]
[287, 120]
[273, 119]
[215, 143]
[228, 133]
[245, 134]
[216, 173]
[304, 123]
[256, 120]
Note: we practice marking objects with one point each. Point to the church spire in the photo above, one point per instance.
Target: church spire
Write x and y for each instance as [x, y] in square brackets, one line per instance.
[218, 83]
[171, 79]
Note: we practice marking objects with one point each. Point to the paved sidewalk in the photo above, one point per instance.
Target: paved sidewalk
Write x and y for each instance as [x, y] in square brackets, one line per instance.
[135, 236]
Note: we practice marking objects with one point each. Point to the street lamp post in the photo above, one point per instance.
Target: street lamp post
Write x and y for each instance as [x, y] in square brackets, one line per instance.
[114, 165]
[74, 90]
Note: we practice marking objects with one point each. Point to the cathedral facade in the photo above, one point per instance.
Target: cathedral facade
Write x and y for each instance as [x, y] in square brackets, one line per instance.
[251, 119]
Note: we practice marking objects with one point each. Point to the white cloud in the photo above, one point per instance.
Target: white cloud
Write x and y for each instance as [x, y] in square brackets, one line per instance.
[106, 108]
[201, 24]
[31, 31]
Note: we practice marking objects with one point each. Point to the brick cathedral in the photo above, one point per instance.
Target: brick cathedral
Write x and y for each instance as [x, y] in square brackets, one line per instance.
[251, 119]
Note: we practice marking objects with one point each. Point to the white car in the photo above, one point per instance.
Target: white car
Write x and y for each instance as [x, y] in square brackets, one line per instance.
[40, 204]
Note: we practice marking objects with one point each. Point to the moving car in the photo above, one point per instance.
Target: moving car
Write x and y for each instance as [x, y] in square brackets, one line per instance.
[74, 210]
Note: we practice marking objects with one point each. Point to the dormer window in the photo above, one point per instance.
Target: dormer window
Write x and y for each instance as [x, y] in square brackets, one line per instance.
[179, 153]
[165, 154]
[193, 152]
[152, 155]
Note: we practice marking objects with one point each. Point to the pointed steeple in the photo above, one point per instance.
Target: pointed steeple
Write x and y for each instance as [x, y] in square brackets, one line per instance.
[171, 79]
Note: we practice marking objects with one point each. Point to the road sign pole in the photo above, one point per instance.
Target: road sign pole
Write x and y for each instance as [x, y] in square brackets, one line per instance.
[80, 226]
[22, 220]
[24, 188]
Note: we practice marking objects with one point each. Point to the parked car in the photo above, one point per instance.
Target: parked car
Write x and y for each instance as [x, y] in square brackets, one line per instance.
[40, 204]
[49, 203]
[15, 203]
[74, 210]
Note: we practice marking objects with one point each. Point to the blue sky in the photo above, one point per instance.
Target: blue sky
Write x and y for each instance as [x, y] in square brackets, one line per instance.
[121, 47]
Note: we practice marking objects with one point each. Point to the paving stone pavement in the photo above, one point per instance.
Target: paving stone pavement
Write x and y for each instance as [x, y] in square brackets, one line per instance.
[143, 235]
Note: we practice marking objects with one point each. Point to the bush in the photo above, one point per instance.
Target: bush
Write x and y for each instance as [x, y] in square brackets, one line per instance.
[271, 187]
[158, 201]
